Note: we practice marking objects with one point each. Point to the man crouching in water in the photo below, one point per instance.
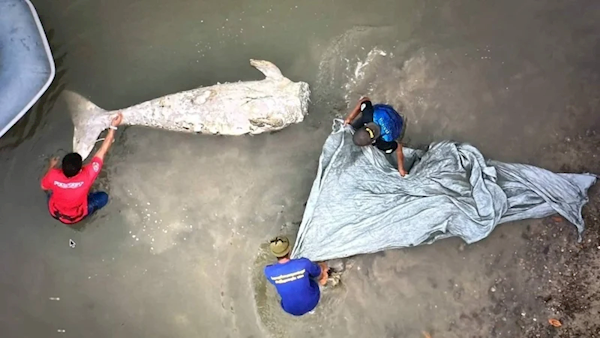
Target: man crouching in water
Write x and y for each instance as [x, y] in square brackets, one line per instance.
[379, 125]
[68, 188]
[294, 279]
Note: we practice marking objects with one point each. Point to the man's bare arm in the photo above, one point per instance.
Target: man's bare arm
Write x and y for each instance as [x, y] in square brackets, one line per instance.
[354, 113]
[400, 156]
[324, 273]
[110, 137]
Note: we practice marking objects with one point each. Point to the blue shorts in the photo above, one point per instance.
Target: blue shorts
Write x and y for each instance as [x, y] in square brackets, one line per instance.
[96, 201]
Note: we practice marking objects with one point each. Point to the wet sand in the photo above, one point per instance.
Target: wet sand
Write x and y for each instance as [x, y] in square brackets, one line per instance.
[179, 250]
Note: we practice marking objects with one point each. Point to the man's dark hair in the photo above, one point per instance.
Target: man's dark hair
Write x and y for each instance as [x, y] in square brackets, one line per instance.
[366, 135]
[71, 164]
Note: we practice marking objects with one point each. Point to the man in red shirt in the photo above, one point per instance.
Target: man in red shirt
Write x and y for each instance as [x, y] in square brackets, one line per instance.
[68, 188]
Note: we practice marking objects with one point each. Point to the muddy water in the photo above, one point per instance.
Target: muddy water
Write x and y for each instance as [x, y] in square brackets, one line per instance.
[179, 250]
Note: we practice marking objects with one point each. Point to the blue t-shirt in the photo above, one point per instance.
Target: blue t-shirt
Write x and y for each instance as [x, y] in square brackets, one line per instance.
[388, 120]
[294, 282]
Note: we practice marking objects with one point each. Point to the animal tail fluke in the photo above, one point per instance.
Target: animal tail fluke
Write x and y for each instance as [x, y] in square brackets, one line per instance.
[268, 68]
[89, 121]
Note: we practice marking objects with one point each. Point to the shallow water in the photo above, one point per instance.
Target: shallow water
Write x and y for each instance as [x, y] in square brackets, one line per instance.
[179, 250]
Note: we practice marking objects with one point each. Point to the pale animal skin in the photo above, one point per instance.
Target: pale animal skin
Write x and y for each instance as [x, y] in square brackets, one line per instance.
[245, 107]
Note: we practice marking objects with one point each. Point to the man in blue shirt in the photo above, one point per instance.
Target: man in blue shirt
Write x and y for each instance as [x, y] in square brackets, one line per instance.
[294, 279]
[379, 125]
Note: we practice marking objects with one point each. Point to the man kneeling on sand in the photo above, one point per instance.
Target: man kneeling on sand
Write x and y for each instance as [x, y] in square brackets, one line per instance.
[379, 125]
[294, 279]
[69, 200]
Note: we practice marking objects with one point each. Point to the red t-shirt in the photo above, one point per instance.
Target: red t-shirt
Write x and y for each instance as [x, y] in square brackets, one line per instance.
[68, 202]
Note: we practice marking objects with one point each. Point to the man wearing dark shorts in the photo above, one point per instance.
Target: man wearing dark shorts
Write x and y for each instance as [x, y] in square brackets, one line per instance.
[379, 125]
[69, 200]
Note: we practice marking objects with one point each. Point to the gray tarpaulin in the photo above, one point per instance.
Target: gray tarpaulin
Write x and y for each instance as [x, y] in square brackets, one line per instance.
[360, 204]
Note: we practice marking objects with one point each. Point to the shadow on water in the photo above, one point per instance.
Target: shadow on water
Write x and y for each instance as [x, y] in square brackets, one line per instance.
[36, 117]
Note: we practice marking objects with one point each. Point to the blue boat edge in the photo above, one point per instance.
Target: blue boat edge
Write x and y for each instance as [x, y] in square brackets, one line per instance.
[51, 76]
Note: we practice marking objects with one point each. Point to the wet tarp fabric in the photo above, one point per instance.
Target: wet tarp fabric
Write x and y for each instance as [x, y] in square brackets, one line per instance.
[360, 204]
